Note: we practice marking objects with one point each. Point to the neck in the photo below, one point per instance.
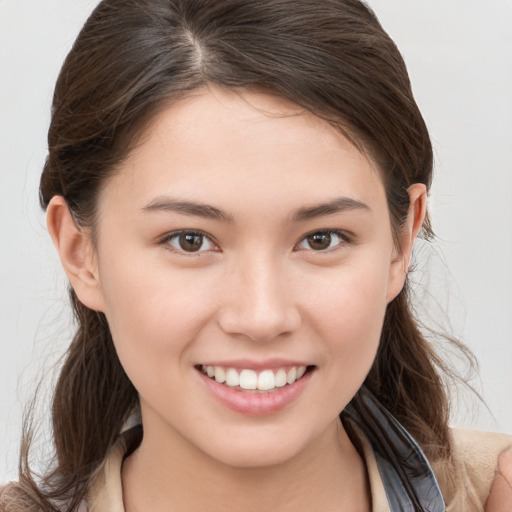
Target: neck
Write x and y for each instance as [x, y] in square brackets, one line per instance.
[165, 474]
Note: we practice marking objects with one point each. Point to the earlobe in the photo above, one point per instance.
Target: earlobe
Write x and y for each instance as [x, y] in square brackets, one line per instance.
[76, 253]
[411, 228]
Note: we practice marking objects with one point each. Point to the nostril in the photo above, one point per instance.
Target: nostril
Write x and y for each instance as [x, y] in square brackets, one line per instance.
[259, 326]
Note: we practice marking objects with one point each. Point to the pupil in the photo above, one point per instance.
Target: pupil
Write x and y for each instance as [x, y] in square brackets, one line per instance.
[319, 241]
[190, 242]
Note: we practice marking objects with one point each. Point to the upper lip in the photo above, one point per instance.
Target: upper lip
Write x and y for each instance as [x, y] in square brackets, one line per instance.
[251, 364]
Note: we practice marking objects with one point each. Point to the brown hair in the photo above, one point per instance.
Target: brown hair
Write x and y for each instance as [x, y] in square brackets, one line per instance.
[133, 56]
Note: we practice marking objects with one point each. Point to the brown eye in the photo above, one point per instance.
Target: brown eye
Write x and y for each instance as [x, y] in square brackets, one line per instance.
[319, 241]
[190, 242]
[323, 241]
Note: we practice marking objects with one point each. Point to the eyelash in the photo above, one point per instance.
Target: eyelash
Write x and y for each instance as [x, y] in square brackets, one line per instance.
[343, 237]
[166, 241]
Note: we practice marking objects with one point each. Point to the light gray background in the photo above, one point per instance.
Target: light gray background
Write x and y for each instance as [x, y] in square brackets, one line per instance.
[459, 54]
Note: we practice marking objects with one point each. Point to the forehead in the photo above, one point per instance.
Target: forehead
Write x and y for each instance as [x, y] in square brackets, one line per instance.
[243, 147]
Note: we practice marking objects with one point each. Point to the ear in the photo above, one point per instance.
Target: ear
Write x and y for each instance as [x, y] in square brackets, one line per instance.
[402, 254]
[76, 253]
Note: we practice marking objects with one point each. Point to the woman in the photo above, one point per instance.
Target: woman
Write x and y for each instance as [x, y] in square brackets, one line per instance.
[234, 189]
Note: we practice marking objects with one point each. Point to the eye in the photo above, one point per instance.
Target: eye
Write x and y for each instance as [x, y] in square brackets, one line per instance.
[322, 241]
[189, 242]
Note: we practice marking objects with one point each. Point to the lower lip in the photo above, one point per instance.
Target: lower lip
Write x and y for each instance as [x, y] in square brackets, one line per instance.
[256, 403]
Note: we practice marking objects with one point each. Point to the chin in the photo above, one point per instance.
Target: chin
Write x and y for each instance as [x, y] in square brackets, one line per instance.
[256, 456]
[260, 448]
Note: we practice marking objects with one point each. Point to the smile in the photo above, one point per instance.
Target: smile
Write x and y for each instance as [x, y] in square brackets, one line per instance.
[258, 390]
[250, 380]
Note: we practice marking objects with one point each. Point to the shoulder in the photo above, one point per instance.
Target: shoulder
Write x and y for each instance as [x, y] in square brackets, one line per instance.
[478, 453]
[467, 480]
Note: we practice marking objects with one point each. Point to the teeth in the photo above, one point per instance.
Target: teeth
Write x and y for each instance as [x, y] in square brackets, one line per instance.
[266, 380]
[250, 380]
[220, 376]
[232, 378]
[292, 375]
[301, 370]
[280, 378]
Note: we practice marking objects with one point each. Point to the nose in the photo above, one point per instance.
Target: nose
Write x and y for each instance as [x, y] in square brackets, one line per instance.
[259, 303]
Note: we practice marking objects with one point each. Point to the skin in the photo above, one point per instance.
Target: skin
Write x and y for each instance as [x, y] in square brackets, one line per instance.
[255, 290]
[500, 497]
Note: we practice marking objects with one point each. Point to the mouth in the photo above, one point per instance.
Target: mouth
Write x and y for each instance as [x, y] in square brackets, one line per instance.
[249, 380]
[258, 390]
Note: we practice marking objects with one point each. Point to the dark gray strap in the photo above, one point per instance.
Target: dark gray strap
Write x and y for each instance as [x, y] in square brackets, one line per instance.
[408, 479]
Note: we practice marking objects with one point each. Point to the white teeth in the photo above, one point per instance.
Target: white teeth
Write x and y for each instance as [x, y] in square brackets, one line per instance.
[292, 375]
[266, 380]
[248, 379]
[220, 375]
[280, 378]
[251, 380]
[232, 378]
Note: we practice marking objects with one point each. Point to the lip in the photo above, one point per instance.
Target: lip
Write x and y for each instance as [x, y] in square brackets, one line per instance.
[268, 364]
[254, 403]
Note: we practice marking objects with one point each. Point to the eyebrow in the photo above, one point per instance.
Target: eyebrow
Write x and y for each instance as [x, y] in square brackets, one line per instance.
[192, 209]
[188, 208]
[338, 205]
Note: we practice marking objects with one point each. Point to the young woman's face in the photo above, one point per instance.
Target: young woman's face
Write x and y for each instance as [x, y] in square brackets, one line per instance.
[245, 240]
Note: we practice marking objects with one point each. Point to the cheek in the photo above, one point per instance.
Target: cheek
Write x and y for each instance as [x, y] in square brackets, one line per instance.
[353, 300]
[352, 315]
[152, 313]
[348, 313]
[153, 324]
